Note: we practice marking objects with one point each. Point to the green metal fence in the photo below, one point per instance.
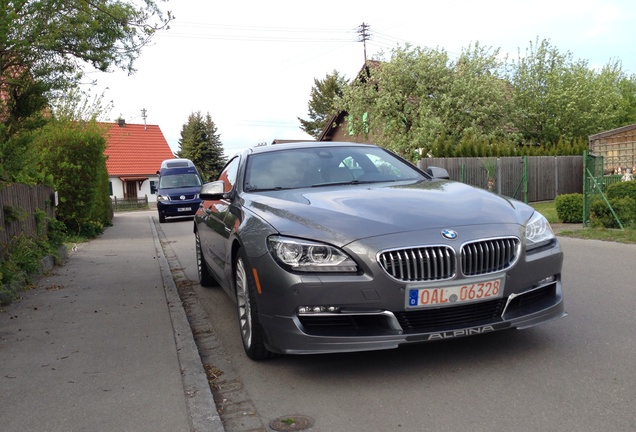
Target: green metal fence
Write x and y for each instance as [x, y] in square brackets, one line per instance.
[595, 184]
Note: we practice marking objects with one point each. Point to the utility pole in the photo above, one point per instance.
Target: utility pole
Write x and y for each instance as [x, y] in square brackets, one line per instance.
[364, 32]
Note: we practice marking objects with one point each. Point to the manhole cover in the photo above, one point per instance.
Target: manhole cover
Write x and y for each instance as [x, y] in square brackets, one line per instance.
[291, 423]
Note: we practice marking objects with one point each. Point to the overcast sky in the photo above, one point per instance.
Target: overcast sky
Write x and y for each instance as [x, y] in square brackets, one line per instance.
[251, 64]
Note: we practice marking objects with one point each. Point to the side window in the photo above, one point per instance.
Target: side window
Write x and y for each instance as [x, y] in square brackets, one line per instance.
[228, 175]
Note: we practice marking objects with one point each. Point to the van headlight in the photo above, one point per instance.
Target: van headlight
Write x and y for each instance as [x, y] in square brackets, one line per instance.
[538, 231]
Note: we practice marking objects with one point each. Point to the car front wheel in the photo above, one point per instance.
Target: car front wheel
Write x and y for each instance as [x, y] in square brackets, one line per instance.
[251, 330]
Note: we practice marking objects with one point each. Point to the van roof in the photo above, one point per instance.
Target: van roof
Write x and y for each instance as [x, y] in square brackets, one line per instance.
[177, 163]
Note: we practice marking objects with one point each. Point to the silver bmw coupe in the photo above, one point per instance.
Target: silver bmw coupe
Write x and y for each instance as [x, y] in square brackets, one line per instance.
[337, 247]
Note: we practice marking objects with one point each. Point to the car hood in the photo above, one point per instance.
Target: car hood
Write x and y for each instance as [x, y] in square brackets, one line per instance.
[344, 214]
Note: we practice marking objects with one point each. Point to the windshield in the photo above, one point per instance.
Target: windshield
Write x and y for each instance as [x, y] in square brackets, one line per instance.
[325, 166]
[173, 181]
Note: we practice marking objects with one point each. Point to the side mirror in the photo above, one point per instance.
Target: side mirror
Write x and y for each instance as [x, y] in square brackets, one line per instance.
[438, 173]
[212, 191]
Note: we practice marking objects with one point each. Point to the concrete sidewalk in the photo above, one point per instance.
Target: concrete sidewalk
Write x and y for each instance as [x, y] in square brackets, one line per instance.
[103, 344]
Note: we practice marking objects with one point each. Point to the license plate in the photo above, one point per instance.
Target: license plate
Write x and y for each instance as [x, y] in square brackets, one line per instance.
[182, 209]
[455, 294]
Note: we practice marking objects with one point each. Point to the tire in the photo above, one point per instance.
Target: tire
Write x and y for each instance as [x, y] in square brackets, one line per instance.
[205, 278]
[162, 217]
[249, 324]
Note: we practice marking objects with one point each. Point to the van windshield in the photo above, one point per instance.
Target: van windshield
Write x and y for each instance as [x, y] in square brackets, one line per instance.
[173, 181]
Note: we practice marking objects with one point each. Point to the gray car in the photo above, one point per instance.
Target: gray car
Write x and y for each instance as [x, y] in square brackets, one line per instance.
[338, 247]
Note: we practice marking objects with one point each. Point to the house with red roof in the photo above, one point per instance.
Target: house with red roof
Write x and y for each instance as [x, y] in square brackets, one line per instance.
[134, 155]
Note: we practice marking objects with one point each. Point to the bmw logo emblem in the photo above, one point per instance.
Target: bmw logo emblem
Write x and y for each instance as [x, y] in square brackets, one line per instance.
[449, 234]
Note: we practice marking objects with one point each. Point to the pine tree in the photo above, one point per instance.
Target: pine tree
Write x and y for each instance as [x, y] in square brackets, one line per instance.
[322, 103]
[201, 144]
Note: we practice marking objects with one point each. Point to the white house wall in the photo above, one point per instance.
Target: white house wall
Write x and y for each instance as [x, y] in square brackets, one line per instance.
[118, 188]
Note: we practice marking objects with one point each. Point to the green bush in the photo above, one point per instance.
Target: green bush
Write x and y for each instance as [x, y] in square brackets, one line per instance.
[569, 207]
[602, 216]
[72, 154]
[57, 233]
[22, 259]
[622, 190]
[622, 198]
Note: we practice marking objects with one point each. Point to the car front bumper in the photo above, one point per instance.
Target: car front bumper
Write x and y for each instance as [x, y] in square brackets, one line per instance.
[178, 208]
[364, 330]
[372, 310]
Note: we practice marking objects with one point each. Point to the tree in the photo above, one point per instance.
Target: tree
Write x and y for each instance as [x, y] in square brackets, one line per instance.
[323, 102]
[555, 96]
[419, 95]
[48, 39]
[201, 144]
[45, 47]
[421, 102]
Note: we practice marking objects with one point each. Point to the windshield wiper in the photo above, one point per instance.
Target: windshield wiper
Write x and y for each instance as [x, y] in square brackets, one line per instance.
[350, 182]
[277, 188]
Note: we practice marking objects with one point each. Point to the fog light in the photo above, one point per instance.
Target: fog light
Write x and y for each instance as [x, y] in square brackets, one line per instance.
[308, 310]
[546, 281]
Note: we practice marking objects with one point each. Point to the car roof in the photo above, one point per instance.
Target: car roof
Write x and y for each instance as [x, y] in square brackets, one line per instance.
[305, 144]
[177, 163]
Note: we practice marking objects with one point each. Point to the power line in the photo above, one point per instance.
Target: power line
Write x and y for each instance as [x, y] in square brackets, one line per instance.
[263, 28]
[258, 33]
[248, 38]
[241, 33]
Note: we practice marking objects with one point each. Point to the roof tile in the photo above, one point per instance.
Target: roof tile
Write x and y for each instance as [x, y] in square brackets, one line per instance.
[135, 149]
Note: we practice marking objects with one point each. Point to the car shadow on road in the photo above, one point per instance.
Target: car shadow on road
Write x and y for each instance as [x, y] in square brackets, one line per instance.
[509, 348]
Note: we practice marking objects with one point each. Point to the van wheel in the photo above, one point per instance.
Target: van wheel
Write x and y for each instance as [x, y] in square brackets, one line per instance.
[162, 217]
[249, 324]
[205, 278]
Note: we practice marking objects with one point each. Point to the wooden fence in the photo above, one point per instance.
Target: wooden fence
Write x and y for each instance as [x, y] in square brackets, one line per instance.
[129, 203]
[18, 205]
[547, 176]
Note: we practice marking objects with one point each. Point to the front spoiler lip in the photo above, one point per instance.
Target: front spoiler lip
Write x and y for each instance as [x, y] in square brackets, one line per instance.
[296, 342]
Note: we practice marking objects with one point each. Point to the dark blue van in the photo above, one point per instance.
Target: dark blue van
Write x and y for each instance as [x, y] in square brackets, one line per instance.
[179, 187]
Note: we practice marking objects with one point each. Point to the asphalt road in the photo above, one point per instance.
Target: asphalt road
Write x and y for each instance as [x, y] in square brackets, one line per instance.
[574, 374]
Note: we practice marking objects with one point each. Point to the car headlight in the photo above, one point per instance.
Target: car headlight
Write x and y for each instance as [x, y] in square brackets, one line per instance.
[163, 198]
[538, 231]
[307, 256]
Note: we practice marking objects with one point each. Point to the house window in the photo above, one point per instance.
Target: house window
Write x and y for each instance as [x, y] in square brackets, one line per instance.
[110, 188]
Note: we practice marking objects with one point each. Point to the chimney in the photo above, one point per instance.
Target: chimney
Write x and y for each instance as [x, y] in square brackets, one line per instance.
[121, 122]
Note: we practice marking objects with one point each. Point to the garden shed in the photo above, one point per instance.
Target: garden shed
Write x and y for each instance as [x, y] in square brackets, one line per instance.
[617, 147]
